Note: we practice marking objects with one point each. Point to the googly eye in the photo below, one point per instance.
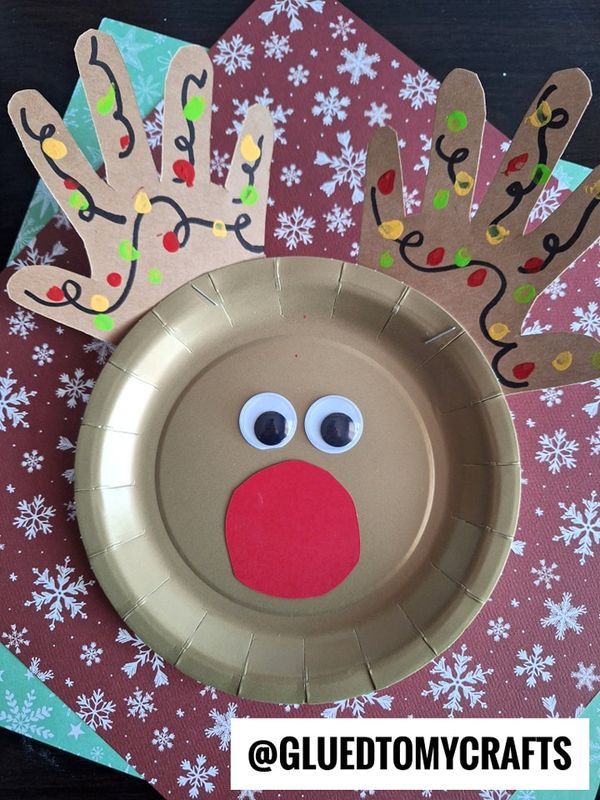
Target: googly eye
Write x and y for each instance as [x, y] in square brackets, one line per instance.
[333, 424]
[267, 420]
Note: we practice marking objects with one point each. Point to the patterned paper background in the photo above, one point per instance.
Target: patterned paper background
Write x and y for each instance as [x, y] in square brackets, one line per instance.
[328, 81]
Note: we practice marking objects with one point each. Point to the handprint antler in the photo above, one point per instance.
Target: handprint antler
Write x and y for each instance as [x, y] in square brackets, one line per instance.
[145, 234]
[486, 271]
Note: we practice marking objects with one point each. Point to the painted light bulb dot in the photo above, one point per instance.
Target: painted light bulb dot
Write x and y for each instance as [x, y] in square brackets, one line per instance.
[141, 203]
[391, 229]
[106, 103]
[522, 371]
[154, 276]
[456, 121]
[386, 260]
[170, 242]
[127, 251]
[114, 279]
[525, 293]
[440, 199]
[540, 174]
[56, 294]
[462, 257]
[78, 201]
[54, 148]
[194, 108]
[542, 115]
[124, 142]
[98, 302]
[435, 256]
[103, 322]
[533, 264]
[218, 229]
[477, 278]
[496, 234]
[69, 183]
[184, 171]
[249, 150]
[595, 360]
[498, 331]
[249, 195]
[385, 182]
[562, 361]
[463, 183]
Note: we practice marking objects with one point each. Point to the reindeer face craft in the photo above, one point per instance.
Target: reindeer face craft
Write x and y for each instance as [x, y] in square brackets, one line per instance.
[487, 271]
[145, 234]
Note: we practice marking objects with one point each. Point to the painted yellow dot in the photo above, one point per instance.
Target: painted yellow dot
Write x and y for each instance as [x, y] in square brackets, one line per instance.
[54, 148]
[594, 189]
[542, 115]
[563, 361]
[495, 234]
[99, 302]
[249, 149]
[391, 229]
[498, 331]
[218, 228]
[463, 183]
[142, 203]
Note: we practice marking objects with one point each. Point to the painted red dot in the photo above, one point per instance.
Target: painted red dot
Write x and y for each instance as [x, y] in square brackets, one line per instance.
[523, 371]
[70, 184]
[385, 182]
[55, 293]
[184, 171]
[113, 279]
[435, 257]
[170, 242]
[533, 264]
[124, 142]
[477, 278]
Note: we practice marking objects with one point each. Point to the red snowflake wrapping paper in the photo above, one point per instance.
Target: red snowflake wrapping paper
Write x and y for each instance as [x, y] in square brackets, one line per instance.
[328, 80]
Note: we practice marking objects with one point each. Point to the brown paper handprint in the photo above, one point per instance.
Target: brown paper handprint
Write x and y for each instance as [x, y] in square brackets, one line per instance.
[144, 234]
[486, 271]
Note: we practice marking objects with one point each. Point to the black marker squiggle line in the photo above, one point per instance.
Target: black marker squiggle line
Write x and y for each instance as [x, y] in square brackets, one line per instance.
[456, 157]
[117, 114]
[182, 143]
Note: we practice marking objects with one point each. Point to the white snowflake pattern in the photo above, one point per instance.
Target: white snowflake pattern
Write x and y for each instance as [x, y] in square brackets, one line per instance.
[294, 228]
[545, 574]
[291, 9]
[358, 63]
[342, 28]
[563, 616]
[96, 710]
[536, 327]
[377, 114]
[277, 46]
[210, 691]
[557, 451]
[32, 461]
[548, 201]
[551, 396]
[153, 126]
[163, 739]
[330, 106]
[21, 323]
[59, 593]
[42, 354]
[357, 706]
[11, 400]
[34, 670]
[584, 528]
[103, 350]
[234, 54]
[498, 629]
[585, 677]
[32, 254]
[26, 718]
[66, 444]
[587, 321]
[91, 654]
[458, 682]
[534, 665]
[219, 163]
[279, 115]
[348, 167]
[555, 289]
[420, 89]
[140, 704]
[197, 776]
[75, 388]
[222, 725]
[298, 76]
[411, 200]
[594, 441]
[290, 175]
[144, 656]
[15, 639]
[339, 220]
[34, 517]
[591, 409]
[549, 703]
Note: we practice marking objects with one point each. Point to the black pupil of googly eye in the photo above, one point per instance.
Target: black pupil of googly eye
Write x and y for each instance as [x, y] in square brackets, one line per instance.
[338, 429]
[271, 428]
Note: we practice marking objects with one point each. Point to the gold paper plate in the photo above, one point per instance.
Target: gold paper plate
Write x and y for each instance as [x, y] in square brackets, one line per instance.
[434, 478]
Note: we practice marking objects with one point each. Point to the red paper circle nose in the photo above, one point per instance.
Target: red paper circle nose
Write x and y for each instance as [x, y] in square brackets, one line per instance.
[291, 531]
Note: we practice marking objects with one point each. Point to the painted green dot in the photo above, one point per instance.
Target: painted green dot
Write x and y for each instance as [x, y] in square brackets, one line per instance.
[440, 198]
[386, 260]
[462, 257]
[103, 322]
[154, 275]
[106, 103]
[540, 174]
[596, 360]
[524, 293]
[457, 121]
[78, 201]
[194, 108]
[249, 195]
[127, 251]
